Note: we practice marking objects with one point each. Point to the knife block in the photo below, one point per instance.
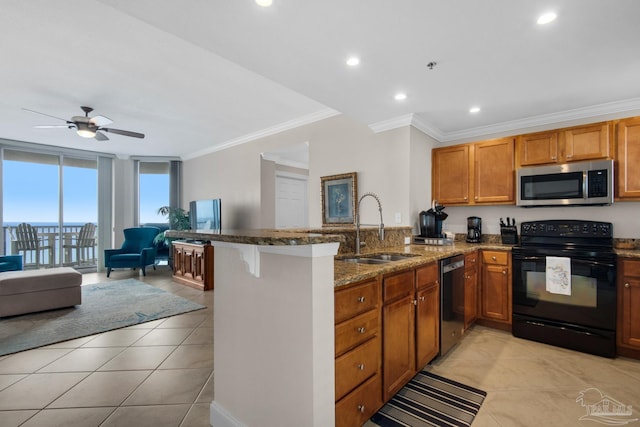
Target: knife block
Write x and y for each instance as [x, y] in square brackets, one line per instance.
[509, 234]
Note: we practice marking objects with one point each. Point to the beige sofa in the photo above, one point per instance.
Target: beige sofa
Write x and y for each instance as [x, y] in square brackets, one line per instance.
[38, 290]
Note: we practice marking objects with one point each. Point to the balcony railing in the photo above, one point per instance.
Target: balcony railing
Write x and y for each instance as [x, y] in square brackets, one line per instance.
[58, 247]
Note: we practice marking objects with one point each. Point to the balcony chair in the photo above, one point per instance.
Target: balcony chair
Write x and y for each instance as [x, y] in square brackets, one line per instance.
[84, 245]
[27, 240]
[10, 263]
[138, 250]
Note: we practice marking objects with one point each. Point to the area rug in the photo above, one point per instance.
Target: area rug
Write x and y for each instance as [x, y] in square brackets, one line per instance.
[105, 306]
[431, 400]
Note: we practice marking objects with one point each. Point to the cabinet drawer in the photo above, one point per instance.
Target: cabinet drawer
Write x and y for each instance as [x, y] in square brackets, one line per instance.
[397, 285]
[471, 260]
[630, 268]
[355, 331]
[355, 300]
[495, 257]
[354, 367]
[358, 406]
[427, 275]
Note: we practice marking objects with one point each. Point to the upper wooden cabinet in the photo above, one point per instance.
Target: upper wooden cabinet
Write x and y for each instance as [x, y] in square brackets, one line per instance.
[566, 145]
[479, 173]
[628, 155]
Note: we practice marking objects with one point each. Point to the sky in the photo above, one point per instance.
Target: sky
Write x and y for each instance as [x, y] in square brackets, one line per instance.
[30, 192]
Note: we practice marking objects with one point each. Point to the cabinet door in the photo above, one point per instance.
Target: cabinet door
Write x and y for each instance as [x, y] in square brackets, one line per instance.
[496, 295]
[470, 296]
[427, 325]
[538, 148]
[494, 175]
[450, 174]
[628, 172]
[399, 351]
[630, 313]
[586, 143]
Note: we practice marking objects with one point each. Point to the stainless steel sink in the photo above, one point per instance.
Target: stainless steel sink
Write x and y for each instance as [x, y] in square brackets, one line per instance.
[377, 258]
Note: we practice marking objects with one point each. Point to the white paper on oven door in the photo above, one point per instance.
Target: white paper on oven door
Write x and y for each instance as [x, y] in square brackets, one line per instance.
[558, 275]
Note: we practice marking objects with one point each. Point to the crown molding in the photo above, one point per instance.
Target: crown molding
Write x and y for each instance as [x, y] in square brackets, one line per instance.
[280, 160]
[609, 109]
[291, 124]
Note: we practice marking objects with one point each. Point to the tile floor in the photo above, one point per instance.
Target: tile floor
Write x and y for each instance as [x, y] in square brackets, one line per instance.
[161, 374]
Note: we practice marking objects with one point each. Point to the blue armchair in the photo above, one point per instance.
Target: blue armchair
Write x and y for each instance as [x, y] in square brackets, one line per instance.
[138, 250]
[10, 263]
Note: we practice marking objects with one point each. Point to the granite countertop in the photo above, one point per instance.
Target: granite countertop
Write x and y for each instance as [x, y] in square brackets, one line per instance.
[258, 237]
[347, 272]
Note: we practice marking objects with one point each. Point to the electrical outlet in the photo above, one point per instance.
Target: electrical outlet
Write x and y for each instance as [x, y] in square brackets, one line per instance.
[407, 240]
[398, 217]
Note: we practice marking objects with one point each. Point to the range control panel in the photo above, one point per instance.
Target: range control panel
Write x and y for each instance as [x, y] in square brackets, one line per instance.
[567, 228]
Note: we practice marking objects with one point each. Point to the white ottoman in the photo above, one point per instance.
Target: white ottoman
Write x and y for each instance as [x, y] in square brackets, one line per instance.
[38, 290]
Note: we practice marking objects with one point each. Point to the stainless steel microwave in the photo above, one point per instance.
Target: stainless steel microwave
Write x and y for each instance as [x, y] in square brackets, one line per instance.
[579, 183]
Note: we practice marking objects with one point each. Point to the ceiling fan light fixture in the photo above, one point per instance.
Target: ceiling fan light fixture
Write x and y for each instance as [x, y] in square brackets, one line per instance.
[85, 131]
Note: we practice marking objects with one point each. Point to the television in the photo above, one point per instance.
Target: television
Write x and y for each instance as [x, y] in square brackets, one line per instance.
[205, 215]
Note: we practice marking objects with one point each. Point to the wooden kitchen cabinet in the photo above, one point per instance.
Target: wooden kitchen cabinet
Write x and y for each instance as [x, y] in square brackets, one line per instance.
[358, 350]
[628, 157]
[495, 286]
[427, 314]
[478, 173]
[451, 174]
[193, 264]
[398, 323]
[628, 334]
[470, 288]
[573, 144]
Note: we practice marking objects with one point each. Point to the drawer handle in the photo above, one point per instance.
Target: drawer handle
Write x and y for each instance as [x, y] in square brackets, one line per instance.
[421, 298]
[361, 329]
[361, 408]
[627, 285]
[361, 366]
[361, 299]
[504, 272]
[494, 258]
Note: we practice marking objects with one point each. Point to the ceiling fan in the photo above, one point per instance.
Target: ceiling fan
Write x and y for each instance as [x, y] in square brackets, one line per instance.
[88, 127]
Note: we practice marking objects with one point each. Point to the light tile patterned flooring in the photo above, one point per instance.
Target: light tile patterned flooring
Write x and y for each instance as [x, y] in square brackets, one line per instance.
[161, 374]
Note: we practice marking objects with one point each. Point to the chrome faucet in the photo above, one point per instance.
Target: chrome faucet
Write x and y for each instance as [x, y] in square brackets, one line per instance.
[380, 226]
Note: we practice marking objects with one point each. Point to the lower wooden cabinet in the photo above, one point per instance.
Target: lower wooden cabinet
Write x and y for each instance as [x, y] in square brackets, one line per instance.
[193, 264]
[427, 314]
[628, 333]
[495, 286]
[358, 349]
[470, 288]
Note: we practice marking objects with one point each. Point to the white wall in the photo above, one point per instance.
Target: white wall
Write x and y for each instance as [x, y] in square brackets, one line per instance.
[395, 164]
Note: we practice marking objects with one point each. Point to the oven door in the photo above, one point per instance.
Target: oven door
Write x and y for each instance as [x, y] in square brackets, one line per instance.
[591, 298]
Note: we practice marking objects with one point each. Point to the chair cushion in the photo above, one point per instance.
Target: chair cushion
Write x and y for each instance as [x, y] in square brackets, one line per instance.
[8, 266]
[130, 258]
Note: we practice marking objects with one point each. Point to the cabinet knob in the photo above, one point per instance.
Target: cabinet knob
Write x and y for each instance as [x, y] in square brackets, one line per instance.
[553, 157]
[361, 408]
[421, 298]
[414, 302]
[361, 366]
[504, 272]
[476, 197]
[465, 197]
[361, 329]
[627, 285]
[361, 299]
[494, 258]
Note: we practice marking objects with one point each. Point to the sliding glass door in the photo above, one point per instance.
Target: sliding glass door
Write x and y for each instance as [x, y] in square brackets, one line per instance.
[47, 199]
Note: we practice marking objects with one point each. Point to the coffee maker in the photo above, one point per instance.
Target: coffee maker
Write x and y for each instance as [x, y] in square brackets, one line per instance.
[474, 229]
[431, 221]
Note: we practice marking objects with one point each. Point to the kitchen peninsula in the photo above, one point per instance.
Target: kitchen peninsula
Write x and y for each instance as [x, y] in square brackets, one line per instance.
[273, 327]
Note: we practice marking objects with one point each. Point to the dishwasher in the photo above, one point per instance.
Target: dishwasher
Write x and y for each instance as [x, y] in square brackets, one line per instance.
[451, 302]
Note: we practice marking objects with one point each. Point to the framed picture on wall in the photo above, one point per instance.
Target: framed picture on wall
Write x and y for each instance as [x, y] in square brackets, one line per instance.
[339, 194]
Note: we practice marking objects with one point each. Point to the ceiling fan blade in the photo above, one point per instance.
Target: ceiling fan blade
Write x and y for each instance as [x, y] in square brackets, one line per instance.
[100, 120]
[101, 136]
[44, 114]
[53, 126]
[123, 132]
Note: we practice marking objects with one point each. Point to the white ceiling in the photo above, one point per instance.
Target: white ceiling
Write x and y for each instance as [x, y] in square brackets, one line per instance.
[201, 75]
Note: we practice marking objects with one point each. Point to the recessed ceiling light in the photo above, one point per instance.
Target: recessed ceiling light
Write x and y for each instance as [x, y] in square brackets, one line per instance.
[353, 61]
[400, 96]
[545, 18]
[474, 110]
[264, 3]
